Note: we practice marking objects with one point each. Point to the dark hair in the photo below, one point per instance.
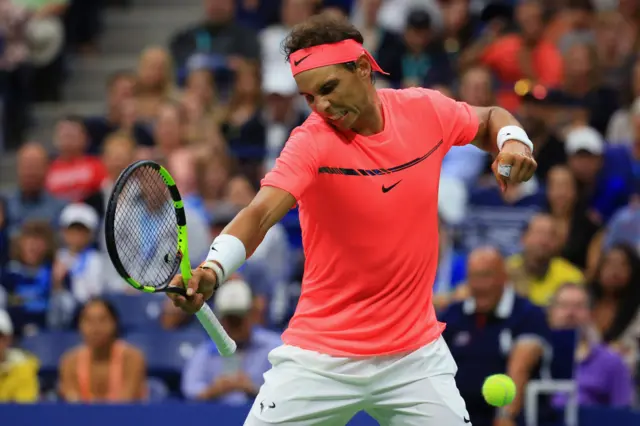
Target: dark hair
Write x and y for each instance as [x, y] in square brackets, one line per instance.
[628, 300]
[111, 309]
[321, 29]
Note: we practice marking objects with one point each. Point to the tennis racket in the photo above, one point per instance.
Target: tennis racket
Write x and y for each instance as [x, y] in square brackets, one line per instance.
[146, 237]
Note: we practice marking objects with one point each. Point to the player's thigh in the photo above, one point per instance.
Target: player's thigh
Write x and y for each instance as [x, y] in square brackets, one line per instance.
[432, 401]
[292, 395]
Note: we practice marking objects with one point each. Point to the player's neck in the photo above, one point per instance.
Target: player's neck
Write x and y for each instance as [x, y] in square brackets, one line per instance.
[371, 120]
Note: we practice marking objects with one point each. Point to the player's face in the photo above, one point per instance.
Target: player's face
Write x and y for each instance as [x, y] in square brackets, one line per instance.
[341, 96]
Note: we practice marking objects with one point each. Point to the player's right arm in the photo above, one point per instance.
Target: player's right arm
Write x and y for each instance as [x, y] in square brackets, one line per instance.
[295, 170]
[249, 226]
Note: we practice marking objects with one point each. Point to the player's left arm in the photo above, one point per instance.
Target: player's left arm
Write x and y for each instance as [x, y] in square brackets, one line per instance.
[500, 134]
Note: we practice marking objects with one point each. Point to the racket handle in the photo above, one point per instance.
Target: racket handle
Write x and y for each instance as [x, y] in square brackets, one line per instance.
[225, 344]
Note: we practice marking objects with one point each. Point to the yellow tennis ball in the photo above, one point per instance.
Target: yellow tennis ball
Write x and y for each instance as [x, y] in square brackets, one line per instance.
[498, 390]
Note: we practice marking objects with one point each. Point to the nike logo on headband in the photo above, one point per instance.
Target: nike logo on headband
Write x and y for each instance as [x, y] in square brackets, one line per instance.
[299, 61]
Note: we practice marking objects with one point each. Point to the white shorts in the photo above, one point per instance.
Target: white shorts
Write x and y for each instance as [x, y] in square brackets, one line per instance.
[305, 388]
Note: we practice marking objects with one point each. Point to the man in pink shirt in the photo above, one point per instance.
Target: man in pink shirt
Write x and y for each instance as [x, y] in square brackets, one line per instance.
[364, 171]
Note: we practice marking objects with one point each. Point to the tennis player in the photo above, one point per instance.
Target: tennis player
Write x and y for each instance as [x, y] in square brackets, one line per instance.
[363, 170]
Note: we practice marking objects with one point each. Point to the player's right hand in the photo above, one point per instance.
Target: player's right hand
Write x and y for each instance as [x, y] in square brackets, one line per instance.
[200, 288]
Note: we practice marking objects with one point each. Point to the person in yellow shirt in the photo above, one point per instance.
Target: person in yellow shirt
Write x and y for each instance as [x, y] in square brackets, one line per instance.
[18, 369]
[538, 271]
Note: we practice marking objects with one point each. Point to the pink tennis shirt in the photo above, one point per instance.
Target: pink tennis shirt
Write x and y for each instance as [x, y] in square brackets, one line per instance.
[368, 208]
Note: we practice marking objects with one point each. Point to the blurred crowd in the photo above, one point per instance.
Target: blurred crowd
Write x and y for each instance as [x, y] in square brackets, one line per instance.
[216, 106]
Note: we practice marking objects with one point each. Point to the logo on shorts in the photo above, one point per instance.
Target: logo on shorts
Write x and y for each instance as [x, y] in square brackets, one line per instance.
[262, 406]
[466, 420]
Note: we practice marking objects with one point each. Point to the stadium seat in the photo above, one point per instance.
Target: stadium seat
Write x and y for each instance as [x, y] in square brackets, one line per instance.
[137, 311]
[49, 347]
[166, 352]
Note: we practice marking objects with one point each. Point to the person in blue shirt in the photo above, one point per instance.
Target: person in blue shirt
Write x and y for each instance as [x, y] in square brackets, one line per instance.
[495, 331]
[604, 174]
[233, 380]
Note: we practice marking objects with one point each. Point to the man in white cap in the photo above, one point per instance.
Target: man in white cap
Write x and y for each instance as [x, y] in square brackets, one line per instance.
[79, 266]
[233, 380]
[603, 173]
[18, 370]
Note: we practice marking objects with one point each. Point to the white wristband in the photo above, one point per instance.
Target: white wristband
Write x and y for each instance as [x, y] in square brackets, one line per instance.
[229, 252]
[513, 133]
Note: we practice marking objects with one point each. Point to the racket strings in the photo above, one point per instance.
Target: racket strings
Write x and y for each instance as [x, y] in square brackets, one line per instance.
[146, 234]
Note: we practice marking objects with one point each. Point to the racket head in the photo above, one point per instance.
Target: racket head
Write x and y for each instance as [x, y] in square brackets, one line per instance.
[145, 228]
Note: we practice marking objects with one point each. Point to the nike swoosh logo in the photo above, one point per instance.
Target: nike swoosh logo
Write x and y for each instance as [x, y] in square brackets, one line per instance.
[273, 405]
[299, 61]
[387, 189]
[466, 420]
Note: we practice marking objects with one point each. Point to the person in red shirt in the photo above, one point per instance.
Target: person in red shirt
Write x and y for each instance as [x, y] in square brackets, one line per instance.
[364, 171]
[526, 57]
[74, 175]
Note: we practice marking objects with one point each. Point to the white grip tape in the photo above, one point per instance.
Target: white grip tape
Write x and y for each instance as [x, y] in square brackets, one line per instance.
[513, 133]
[225, 344]
[504, 170]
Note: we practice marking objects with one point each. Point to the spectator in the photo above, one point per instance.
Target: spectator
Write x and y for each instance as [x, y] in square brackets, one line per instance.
[582, 81]
[417, 58]
[243, 126]
[621, 129]
[367, 22]
[616, 301]
[15, 74]
[460, 27]
[452, 270]
[545, 115]
[103, 368]
[78, 263]
[604, 176]
[19, 379]
[624, 227]
[4, 236]
[537, 272]
[538, 60]
[212, 173]
[121, 115]
[233, 380]
[614, 44]
[498, 219]
[576, 229]
[495, 331]
[31, 200]
[168, 133]
[155, 83]
[601, 375]
[203, 110]
[203, 41]
[28, 276]
[74, 175]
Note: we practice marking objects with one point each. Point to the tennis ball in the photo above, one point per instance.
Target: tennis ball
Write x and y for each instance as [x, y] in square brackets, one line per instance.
[498, 390]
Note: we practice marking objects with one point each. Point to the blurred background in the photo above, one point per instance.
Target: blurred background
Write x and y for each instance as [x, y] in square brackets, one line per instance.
[89, 86]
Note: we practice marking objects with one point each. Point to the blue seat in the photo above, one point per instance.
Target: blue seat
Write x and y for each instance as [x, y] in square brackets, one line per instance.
[138, 311]
[166, 352]
[49, 347]
[564, 344]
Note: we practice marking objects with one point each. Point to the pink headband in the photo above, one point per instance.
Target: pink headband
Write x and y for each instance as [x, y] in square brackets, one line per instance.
[329, 54]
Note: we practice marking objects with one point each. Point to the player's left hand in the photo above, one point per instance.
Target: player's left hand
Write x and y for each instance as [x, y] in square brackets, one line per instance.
[516, 161]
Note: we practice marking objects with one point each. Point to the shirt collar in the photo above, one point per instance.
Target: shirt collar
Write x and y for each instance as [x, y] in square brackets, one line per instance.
[504, 308]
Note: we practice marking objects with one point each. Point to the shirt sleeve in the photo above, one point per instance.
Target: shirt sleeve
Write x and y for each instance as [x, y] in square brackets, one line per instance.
[534, 327]
[297, 165]
[458, 120]
[620, 384]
